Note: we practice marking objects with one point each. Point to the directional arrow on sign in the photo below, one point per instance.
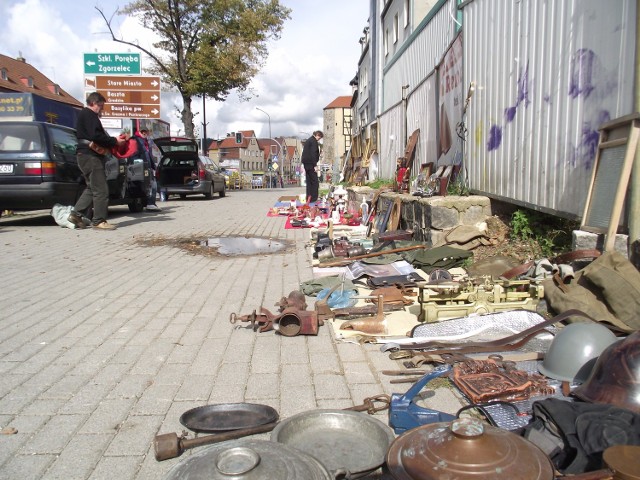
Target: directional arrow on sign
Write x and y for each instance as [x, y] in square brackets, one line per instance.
[130, 111]
[112, 63]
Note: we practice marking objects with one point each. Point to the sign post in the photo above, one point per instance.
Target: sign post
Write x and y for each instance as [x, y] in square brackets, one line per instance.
[127, 97]
[112, 63]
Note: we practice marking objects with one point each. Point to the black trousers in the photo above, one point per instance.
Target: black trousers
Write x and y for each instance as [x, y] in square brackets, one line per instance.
[313, 184]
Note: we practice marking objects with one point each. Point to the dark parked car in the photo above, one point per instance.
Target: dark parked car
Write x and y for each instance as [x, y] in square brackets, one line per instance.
[183, 172]
[39, 168]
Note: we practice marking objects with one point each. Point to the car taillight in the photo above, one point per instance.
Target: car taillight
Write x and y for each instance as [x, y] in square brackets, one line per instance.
[201, 174]
[39, 168]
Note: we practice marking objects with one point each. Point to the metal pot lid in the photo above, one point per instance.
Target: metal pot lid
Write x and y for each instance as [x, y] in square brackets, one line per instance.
[227, 416]
[344, 441]
[249, 460]
[466, 449]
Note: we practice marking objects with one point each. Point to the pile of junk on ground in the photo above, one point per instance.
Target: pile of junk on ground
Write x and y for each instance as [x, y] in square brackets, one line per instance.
[544, 357]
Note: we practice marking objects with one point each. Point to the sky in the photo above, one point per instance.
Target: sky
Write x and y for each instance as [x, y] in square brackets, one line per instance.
[307, 68]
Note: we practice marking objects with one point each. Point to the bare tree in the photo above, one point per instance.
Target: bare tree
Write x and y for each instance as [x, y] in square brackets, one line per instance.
[205, 47]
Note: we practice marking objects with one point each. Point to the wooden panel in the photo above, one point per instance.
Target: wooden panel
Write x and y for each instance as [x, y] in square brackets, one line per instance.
[610, 177]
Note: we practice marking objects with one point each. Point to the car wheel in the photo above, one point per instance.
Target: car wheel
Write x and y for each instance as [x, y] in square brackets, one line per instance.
[223, 192]
[209, 194]
[137, 205]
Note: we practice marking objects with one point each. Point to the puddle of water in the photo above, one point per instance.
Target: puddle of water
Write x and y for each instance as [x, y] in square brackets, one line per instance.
[244, 245]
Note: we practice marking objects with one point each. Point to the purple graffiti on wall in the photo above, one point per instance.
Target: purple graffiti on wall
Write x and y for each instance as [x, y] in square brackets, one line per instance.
[582, 71]
[495, 137]
[495, 132]
[523, 95]
[585, 153]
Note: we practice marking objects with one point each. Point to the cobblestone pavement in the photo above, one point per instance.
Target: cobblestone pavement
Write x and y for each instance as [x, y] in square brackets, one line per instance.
[106, 340]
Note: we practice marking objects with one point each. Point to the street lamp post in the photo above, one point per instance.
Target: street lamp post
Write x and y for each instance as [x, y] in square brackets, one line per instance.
[269, 117]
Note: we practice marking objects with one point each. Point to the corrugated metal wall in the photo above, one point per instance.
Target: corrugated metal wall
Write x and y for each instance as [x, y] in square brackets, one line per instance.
[548, 74]
[420, 55]
[392, 143]
[421, 113]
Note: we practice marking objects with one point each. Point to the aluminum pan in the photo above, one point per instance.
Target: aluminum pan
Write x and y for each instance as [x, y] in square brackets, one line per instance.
[339, 439]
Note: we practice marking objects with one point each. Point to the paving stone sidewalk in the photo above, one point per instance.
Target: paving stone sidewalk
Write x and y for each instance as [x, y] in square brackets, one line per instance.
[106, 340]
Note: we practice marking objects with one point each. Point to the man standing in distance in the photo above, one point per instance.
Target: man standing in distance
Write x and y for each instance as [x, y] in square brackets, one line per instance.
[310, 158]
[93, 144]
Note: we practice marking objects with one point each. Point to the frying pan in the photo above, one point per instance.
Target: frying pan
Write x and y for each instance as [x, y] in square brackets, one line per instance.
[224, 417]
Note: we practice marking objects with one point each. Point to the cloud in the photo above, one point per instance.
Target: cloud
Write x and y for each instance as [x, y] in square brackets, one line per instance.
[305, 70]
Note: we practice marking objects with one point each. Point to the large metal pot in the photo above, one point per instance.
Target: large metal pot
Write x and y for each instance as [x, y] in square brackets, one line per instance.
[249, 460]
[347, 443]
[466, 449]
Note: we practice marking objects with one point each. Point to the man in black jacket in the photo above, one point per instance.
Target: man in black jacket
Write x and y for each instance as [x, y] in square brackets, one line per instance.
[90, 133]
[310, 158]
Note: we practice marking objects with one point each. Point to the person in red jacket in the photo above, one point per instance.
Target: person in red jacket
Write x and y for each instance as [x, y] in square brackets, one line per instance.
[93, 139]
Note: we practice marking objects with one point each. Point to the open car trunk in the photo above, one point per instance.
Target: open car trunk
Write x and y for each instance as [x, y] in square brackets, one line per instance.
[177, 171]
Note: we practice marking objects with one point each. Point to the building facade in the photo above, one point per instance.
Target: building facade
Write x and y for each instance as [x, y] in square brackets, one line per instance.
[511, 92]
[337, 132]
[27, 94]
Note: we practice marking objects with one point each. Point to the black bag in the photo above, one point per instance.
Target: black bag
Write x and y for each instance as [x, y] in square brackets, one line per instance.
[575, 434]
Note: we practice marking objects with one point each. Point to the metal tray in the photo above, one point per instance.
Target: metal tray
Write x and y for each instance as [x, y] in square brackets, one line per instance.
[342, 440]
[227, 416]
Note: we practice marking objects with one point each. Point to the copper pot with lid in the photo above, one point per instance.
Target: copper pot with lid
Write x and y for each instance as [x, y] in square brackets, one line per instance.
[466, 449]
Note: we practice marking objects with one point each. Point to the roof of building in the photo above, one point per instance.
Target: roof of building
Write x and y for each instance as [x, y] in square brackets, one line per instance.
[25, 78]
[230, 141]
[340, 102]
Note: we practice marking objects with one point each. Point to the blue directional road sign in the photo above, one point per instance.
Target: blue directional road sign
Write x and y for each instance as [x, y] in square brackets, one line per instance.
[112, 63]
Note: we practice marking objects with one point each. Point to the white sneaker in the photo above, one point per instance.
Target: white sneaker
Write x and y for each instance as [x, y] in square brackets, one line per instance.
[153, 208]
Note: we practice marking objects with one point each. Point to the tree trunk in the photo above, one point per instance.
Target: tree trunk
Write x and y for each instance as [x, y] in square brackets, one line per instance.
[187, 116]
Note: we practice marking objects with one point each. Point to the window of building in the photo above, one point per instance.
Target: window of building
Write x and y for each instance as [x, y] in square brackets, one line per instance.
[406, 13]
[3, 74]
[396, 28]
[386, 42]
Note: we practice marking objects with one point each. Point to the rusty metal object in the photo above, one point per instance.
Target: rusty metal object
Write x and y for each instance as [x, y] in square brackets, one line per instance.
[371, 325]
[262, 321]
[369, 404]
[294, 322]
[391, 296]
[170, 445]
[484, 381]
[291, 321]
[296, 299]
[365, 310]
[466, 449]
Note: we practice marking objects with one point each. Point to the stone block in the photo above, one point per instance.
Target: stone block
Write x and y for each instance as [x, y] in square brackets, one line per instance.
[442, 217]
[582, 240]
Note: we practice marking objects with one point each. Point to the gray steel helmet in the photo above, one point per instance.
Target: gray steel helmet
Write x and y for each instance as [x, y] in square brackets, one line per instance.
[575, 350]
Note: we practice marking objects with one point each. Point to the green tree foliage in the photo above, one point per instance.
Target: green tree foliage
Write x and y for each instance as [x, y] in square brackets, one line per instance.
[206, 47]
